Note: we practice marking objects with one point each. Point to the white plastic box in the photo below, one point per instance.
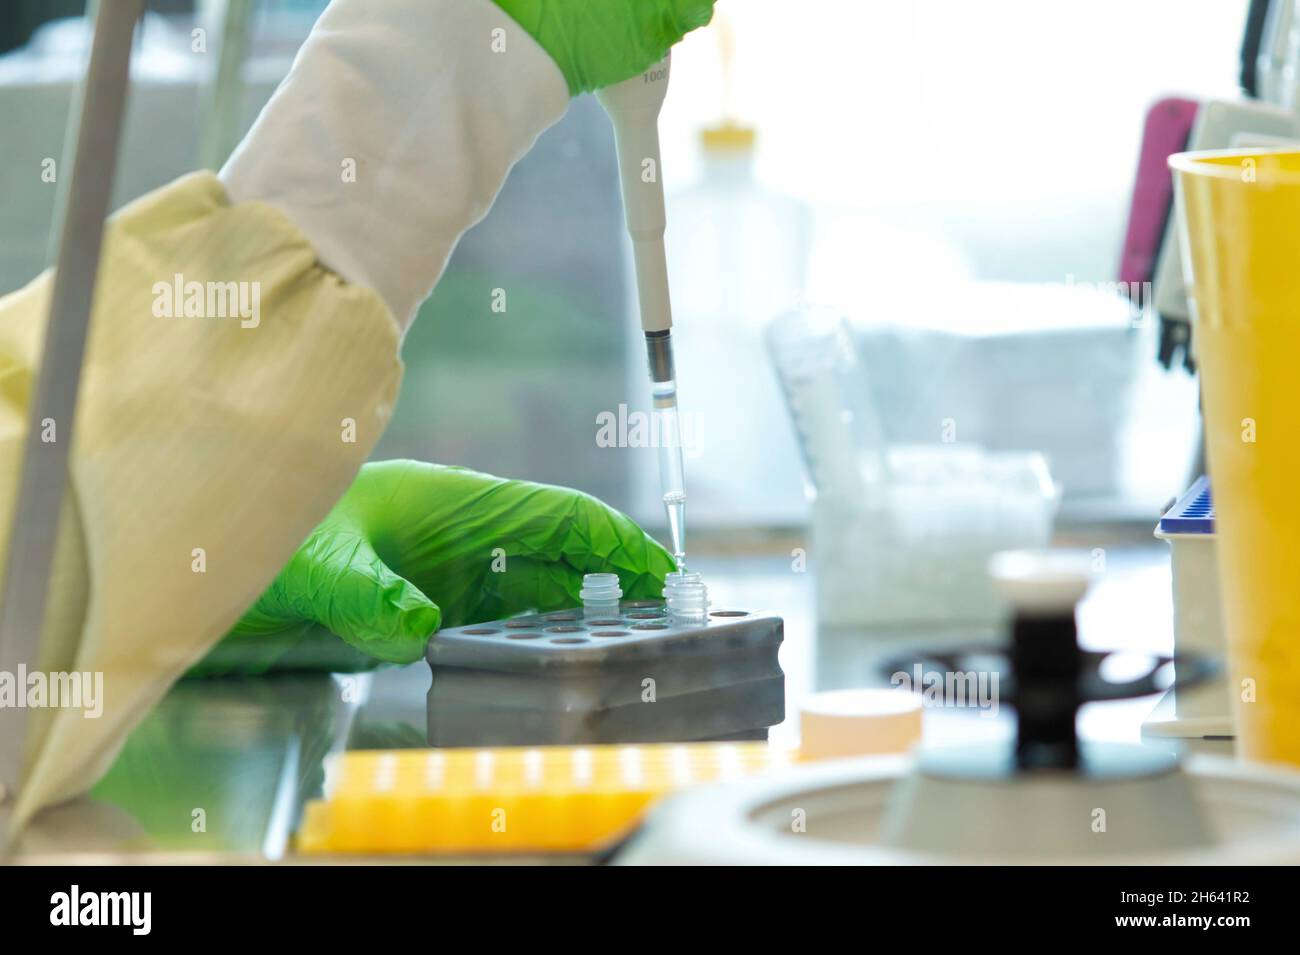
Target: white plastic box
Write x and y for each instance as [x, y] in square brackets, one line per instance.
[915, 551]
[901, 533]
[1011, 366]
[1188, 527]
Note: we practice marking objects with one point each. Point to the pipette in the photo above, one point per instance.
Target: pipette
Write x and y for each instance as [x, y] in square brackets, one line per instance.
[633, 107]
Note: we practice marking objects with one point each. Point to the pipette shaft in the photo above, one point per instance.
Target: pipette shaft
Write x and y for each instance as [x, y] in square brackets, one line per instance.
[633, 107]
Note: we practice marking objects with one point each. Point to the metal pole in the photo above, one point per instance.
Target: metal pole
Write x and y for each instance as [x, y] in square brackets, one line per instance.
[225, 90]
[44, 475]
[67, 154]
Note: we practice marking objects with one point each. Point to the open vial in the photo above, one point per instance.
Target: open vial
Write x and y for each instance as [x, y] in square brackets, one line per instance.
[686, 596]
[600, 595]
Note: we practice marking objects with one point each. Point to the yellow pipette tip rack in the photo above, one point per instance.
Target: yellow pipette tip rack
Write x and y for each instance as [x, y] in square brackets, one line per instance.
[548, 799]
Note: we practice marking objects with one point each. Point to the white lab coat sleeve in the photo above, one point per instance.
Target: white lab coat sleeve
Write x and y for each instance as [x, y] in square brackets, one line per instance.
[393, 133]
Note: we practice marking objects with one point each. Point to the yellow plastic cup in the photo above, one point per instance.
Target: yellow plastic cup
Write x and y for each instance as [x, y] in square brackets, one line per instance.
[1240, 214]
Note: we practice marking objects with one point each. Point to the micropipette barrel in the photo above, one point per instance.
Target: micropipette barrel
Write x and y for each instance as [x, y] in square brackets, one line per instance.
[633, 107]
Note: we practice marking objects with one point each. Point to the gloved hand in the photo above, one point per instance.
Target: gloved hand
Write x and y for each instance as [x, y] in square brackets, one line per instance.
[597, 43]
[412, 547]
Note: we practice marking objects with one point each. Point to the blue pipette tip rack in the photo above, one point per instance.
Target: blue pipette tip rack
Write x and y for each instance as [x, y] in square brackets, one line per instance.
[1193, 513]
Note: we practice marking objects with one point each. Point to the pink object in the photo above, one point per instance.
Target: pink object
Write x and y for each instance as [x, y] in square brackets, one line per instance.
[1168, 126]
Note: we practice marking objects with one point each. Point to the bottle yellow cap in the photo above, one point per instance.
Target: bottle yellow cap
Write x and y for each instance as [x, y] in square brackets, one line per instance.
[728, 136]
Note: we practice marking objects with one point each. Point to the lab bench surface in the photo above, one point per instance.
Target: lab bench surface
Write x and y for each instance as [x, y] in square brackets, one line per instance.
[220, 770]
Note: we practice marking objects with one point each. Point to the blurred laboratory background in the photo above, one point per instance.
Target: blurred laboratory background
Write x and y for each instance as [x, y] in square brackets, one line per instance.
[927, 307]
[956, 212]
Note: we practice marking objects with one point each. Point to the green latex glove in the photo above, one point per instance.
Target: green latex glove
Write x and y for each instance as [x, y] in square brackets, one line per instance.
[597, 43]
[412, 547]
